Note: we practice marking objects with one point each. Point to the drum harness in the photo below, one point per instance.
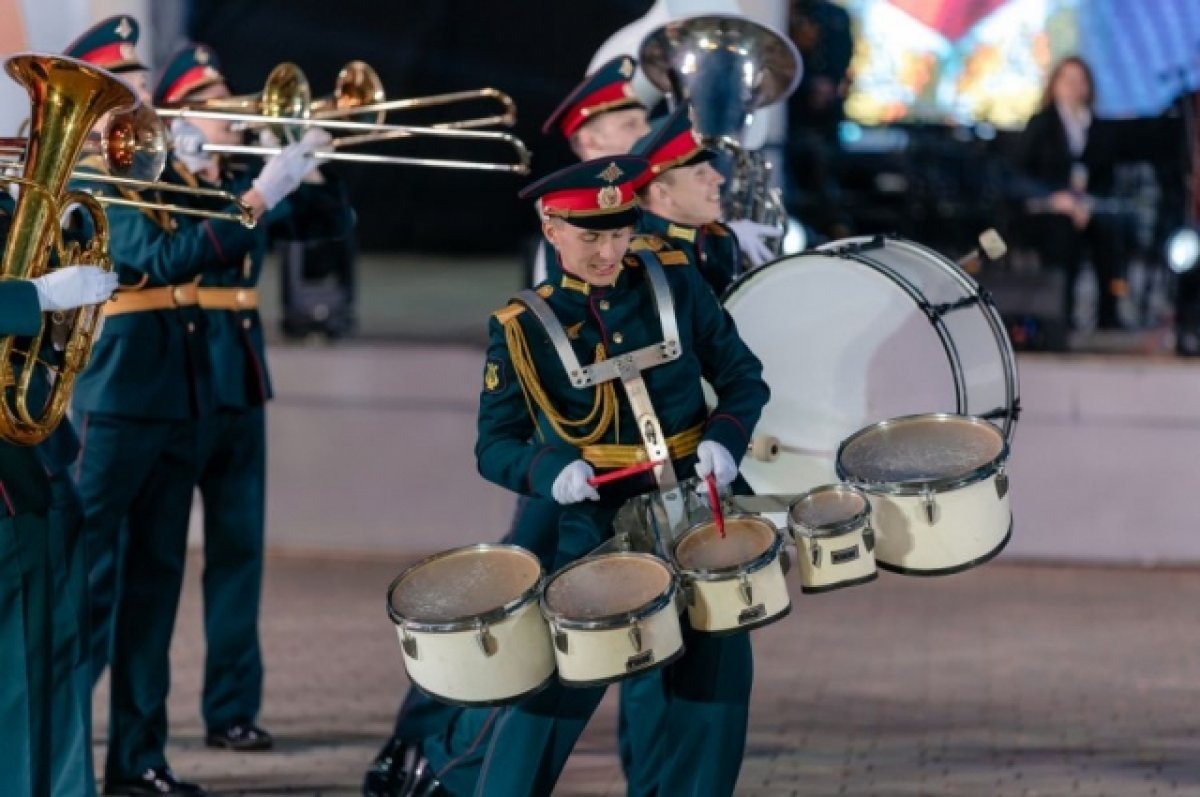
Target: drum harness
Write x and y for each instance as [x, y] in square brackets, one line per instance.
[628, 368]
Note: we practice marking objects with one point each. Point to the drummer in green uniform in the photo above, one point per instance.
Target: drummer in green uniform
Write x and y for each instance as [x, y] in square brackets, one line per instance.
[138, 409]
[600, 116]
[45, 739]
[539, 435]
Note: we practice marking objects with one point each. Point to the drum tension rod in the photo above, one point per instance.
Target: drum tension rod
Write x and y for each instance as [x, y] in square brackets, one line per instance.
[936, 311]
[1001, 412]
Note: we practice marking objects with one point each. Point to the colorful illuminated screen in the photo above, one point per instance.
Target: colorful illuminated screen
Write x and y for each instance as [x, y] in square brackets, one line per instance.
[967, 61]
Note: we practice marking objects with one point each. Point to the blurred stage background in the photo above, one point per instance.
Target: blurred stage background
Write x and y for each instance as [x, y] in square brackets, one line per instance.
[939, 90]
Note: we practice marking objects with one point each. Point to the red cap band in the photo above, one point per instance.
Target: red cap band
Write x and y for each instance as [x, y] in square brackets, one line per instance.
[609, 96]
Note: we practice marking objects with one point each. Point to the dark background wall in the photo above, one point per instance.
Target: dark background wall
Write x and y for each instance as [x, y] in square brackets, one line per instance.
[534, 50]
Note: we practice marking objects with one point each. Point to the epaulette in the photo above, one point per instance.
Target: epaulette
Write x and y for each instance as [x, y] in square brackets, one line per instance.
[646, 242]
[716, 228]
[506, 314]
[672, 257]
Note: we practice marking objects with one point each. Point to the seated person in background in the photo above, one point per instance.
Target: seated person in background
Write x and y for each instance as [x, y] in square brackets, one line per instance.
[1066, 156]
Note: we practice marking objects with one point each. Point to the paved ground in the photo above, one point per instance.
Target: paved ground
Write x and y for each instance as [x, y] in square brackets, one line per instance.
[1007, 680]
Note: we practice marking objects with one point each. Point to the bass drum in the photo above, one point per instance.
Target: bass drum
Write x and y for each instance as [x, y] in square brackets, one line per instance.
[858, 331]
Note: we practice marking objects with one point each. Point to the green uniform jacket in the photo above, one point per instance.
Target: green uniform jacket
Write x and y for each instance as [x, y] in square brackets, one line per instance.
[24, 483]
[235, 338]
[712, 247]
[23, 470]
[155, 364]
[513, 453]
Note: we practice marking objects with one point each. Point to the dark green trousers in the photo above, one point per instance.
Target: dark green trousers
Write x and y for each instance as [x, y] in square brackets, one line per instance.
[233, 486]
[72, 743]
[45, 697]
[136, 479]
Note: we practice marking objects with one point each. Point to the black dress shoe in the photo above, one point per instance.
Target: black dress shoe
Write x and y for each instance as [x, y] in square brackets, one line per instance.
[156, 781]
[240, 738]
[400, 770]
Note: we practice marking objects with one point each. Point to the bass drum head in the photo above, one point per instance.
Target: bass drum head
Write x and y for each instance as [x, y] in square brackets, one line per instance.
[857, 332]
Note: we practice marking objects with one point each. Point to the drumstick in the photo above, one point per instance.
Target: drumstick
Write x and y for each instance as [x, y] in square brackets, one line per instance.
[632, 470]
[715, 502]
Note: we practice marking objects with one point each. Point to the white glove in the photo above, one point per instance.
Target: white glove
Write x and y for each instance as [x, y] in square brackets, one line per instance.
[74, 286]
[750, 236]
[188, 142]
[283, 174]
[714, 458]
[268, 138]
[571, 485]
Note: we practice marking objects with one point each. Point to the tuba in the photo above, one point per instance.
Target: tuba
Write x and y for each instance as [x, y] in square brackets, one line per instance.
[728, 67]
[68, 98]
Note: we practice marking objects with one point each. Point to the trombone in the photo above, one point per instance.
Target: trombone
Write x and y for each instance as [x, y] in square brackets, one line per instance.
[285, 101]
[134, 147]
[358, 92]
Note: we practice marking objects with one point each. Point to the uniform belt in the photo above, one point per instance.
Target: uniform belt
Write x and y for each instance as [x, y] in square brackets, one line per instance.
[168, 297]
[616, 455]
[228, 298]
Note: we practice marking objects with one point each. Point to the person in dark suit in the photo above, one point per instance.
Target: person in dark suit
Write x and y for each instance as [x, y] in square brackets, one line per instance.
[1066, 155]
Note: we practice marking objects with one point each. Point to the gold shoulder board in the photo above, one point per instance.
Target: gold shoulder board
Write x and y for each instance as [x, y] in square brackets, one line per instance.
[673, 258]
[645, 241]
[506, 314]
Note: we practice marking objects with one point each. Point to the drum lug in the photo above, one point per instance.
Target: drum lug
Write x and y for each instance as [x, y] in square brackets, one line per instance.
[689, 593]
[487, 643]
[560, 639]
[787, 554]
[745, 589]
[869, 539]
[635, 637]
[409, 644]
[929, 504]
[815, 554]
[1001, 482]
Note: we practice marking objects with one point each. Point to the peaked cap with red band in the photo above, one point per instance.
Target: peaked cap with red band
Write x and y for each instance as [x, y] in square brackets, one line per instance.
[109, 44]
[595, 195]
[193, 68]
[606, 89]
[671, 143]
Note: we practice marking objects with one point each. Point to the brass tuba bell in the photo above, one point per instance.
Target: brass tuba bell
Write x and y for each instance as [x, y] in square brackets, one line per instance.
[68, 98]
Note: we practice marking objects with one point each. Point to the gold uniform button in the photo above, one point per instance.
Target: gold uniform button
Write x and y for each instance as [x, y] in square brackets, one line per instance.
[618, 337]
[604, 304]
[245, 323]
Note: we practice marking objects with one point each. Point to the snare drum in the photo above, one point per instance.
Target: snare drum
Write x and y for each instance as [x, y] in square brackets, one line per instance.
[469, 625]
[612, 616]
[735, 583]
[938, 488]
[832, 529]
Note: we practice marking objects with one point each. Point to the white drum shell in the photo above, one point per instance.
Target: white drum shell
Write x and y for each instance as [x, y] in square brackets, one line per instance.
[834, 561]
[716, 606]
[452, 665]
[973, 524]
[597, 656]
